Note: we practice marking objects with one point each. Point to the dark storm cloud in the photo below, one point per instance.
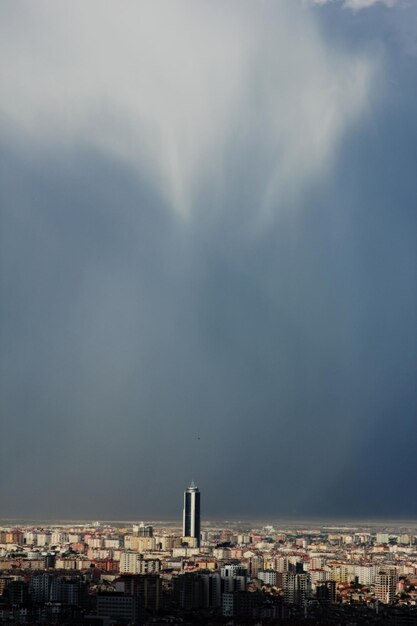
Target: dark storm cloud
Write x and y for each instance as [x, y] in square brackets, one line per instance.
[262, 341]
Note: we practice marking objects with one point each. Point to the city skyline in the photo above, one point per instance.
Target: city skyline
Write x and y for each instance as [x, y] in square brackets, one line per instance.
[140, 573]
[208, 258]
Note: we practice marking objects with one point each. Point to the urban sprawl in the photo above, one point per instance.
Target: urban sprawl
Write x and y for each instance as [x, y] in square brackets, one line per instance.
[221, 573]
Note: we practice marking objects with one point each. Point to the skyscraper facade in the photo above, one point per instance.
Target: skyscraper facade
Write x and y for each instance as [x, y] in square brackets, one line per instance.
[191, 513]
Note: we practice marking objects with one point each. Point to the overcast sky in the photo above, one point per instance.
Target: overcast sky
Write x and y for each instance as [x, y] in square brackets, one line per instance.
[208, 258]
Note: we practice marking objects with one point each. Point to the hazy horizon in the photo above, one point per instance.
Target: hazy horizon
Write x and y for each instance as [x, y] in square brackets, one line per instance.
[325, 522]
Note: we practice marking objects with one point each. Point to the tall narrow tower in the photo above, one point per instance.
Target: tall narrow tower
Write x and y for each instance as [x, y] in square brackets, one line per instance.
[191, 513]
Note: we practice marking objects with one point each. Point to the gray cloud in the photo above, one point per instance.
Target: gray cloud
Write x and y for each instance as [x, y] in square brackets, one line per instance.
[167, 86]
[208, 265]
[357, 5]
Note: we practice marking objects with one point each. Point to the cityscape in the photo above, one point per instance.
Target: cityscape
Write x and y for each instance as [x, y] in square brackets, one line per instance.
[108, 573]
[208, 312]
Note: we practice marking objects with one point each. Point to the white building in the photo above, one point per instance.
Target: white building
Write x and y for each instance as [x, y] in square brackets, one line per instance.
[130, 562]
[268, 577]
[134, 563]
[366, 574]
[42, 539]
[319, 575]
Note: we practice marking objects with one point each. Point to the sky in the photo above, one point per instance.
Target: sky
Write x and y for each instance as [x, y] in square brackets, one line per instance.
[208, 258]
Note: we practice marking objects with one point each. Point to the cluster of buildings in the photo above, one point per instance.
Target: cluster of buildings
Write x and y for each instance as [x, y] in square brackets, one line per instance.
[145, 574]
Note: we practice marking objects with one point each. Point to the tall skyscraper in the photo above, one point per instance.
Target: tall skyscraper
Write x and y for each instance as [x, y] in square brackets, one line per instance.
[191, 513]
